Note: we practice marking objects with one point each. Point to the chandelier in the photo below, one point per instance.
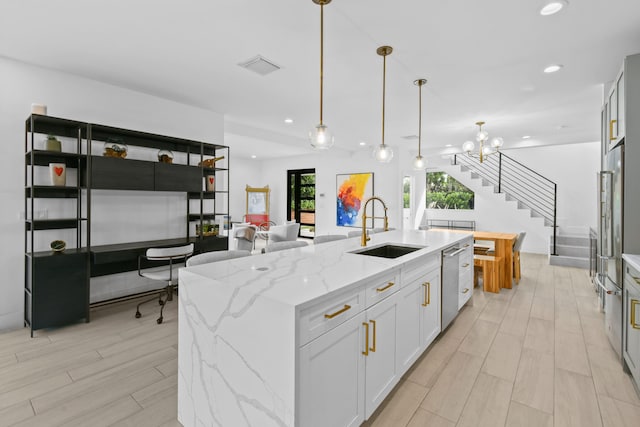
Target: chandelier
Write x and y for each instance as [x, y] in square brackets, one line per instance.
[485, 150]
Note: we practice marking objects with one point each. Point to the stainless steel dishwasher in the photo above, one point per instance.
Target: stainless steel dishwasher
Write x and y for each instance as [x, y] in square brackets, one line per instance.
[450, 279]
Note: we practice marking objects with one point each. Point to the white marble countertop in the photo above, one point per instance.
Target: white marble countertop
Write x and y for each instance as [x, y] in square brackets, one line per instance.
[297, 277]
[633, 260]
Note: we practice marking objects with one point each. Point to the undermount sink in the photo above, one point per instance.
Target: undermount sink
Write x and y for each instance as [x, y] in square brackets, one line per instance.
[388, 251]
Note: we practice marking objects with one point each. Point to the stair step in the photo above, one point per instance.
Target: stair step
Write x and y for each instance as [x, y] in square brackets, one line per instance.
[569, 261]
[573, 240]
[574, 251]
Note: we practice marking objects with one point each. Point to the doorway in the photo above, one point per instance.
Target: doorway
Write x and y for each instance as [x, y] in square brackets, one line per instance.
[301, 197]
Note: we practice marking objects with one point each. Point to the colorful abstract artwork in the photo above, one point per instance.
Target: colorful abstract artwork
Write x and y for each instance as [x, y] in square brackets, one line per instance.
[352, 191]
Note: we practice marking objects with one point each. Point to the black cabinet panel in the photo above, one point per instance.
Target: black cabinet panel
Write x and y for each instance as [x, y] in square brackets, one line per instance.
[59, 289]
[121, 174]
[170, 177]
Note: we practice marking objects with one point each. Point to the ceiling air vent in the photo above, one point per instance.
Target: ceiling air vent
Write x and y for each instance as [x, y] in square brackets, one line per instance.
[259, 65]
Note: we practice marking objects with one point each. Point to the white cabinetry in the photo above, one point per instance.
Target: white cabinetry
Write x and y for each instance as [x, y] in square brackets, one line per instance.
[419, 315]
[631, 341]
[615, 112]
[332, 377]
[465, 280]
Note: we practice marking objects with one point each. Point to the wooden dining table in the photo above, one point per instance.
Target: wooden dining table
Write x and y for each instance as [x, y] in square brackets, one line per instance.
[503, 248]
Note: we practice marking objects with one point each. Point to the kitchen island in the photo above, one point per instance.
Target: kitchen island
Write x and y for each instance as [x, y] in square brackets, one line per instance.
[311, 336]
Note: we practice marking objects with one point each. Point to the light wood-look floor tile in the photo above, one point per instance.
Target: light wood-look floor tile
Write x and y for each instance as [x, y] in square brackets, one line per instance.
[488, 403]
[399, 408]
[16, 413]
[504, 357]
[543, 308]
[107, 415]
[575, 402]
[618, 414]
[571, 353]
[540, 336]
[494, 311]
[515, 322]
[524, 416]
[534, 385]
[449, 394]
[479, 339]
[608, 377]
[423, 418]
[427, 369]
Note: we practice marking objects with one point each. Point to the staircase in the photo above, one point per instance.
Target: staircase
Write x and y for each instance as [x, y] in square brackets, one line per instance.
[573, 250]
[519, 183]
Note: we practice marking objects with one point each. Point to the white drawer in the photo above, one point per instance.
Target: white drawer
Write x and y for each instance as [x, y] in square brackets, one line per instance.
[465, 294]
[380, 288]
[419, 267]
[329, 313]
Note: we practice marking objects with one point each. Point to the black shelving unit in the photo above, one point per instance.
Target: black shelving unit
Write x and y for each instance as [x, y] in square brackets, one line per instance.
[57, 284]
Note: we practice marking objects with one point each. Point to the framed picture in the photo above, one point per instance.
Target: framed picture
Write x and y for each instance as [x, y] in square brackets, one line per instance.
[352, 190]
[257, 205]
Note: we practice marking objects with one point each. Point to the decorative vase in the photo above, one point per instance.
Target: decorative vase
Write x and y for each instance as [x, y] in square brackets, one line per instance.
[211, 182]
[53, 144]
[58, 172]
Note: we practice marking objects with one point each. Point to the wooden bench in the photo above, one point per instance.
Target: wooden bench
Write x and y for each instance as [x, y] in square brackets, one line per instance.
[491, 272]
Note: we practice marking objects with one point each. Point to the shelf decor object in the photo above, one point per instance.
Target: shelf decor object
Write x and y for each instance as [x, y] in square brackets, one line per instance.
[383, 153]
[165, 156]
[53, 143]
[58, 246]
[482, 137]
[211, 182]
[419, 163]
[320, 136]
[115, 148]
[210, 163]
[58, 173]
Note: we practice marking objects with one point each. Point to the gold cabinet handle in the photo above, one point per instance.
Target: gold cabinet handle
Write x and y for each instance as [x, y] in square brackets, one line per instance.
[465, 290]
[465, 246]
[390, 284]
[611, 137]
[634, 302]
[637, 279]
[342, 310]
[366, 339]
[427, 294]
[373, 349]
[465, 265]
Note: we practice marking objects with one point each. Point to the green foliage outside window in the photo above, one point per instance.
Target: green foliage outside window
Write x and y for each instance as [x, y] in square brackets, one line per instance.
[444, 192]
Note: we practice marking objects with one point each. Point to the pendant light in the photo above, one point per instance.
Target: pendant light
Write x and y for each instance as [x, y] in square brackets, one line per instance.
[485, 151]
[419, 163]
[383, 153]
[320, 136]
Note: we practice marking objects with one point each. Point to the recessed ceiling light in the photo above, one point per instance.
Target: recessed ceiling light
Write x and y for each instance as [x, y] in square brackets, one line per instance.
[362, 143]
[448, 145]
[552, 68]
[526, 137]
[253, 156]
[553, 6]
[288, 120]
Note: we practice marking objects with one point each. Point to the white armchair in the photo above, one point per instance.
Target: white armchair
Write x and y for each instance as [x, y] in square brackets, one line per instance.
[284, 233]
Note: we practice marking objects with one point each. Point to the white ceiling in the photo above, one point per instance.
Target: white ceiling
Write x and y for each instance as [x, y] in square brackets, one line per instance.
[483, 61]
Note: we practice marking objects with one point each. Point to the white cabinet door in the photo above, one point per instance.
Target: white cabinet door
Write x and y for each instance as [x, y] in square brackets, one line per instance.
[380, 362]
[409, 332]
[632, 327]
[430, 313]
[418, 318]
[332, 370]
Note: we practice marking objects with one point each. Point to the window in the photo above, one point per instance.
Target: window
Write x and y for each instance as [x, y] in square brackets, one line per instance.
[444, 192]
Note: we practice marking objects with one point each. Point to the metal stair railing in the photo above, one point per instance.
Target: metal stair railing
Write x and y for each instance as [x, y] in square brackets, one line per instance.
[518, 182]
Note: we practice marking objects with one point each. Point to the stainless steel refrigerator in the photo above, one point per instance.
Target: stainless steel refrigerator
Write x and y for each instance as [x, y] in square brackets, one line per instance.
[609, 277]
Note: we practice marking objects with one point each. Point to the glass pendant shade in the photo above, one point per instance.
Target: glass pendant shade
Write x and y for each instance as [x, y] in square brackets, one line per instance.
[482, 136]
[497, 142]
[468, 146]
[383, 153]
[419, 163]
[321, 138]
[486, 150]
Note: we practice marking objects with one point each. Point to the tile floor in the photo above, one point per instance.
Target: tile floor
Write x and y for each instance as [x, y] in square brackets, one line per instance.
[532, 356]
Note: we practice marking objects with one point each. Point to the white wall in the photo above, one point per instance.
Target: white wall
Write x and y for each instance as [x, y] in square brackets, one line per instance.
[244, 172]
[76, 98]
[387, 185]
